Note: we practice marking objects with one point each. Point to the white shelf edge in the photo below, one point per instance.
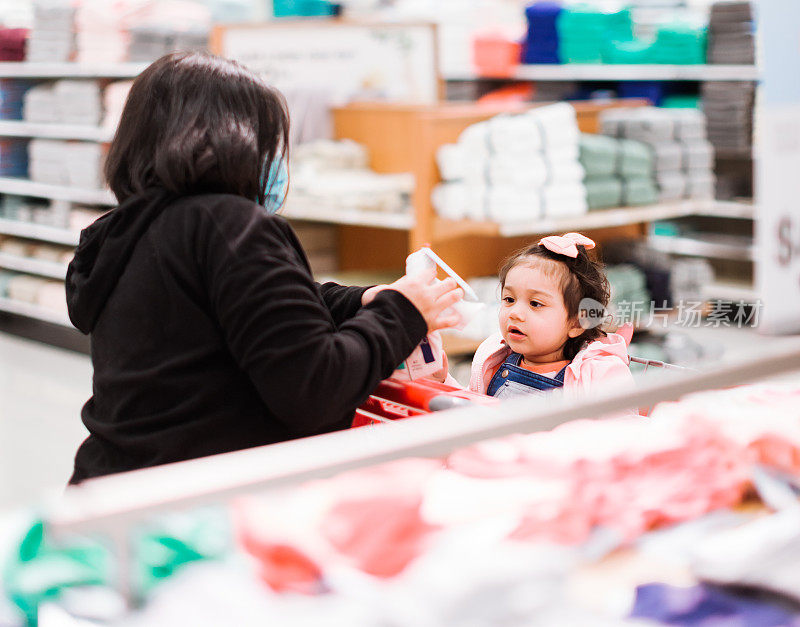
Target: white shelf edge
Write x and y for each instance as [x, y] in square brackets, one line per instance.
[621, 216]
[697, 248]
[50, 269]
[24, 69]
[21, 128]
[40, 232]
[26, 187]
[34, 311]
[620, 72]
[356, 217]
[730, 290]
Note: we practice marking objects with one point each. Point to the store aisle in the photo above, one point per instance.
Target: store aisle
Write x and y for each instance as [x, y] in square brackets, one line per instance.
[42, 390]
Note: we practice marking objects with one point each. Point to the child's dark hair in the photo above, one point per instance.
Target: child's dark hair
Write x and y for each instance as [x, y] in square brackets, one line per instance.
[197, 123]
[583, 278]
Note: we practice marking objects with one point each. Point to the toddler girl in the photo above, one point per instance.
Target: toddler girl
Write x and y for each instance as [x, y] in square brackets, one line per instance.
[553, 301]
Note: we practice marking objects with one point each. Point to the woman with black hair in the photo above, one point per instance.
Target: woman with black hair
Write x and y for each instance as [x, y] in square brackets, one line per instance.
[208, 332]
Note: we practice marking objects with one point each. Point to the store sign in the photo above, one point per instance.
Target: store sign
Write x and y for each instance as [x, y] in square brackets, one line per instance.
[338, 59]
[778, 168]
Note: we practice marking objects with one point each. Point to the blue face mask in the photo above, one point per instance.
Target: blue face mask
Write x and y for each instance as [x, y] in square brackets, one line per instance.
[277, 185]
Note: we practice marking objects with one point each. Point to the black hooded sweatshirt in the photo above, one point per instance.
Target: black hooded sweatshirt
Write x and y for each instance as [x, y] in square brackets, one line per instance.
[209, 335]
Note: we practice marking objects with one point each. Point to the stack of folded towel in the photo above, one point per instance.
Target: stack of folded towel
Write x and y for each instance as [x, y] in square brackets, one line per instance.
[13, 157]
[731, 38]
[683, 157]
[335, 175]
[101, 32]
[114, 98]
[64, 102]
[629, 295]
[16, 14]
[541, 43]
[165, 26]
[619, 172]
[688, 280]
[680, 43]
[12, 44]
[73, 163]
[514, 168]
[53, 35]
[12, 95]
[34, 290]
[729, 108]
[583, 31]
[23, 209]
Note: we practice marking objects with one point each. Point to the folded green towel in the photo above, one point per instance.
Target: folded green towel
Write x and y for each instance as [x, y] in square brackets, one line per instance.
[639, 191]
[603, 192]
[681, 44]
[583, 31]
[634, 51]
[601, 156]
[681, 102]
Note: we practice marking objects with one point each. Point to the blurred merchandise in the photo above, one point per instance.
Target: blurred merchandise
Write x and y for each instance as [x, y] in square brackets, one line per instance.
[731, 33]
[513, 168]
[334, 175]
[677, 137]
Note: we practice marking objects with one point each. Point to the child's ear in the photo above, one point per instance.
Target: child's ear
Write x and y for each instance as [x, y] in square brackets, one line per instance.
[575, 330]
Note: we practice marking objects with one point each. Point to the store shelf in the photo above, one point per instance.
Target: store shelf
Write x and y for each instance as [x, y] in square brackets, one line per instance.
[19, 128]
[300, 210]
[730, 290]
[39, 232]
[40, 267]
[613, 72]
[25, 187]
[34, 311]
[713, 246]
[70, 70]
[604, 218]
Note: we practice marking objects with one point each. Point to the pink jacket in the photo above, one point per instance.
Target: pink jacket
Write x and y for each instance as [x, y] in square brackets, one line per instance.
[603, 360]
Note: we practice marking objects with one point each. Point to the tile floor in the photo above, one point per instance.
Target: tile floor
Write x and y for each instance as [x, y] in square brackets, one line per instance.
[42, 390]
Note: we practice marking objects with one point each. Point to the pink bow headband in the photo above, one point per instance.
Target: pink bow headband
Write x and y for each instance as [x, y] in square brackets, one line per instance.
[566, 244]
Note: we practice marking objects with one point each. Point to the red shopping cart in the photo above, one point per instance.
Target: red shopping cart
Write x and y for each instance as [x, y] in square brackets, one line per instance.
[395, 399]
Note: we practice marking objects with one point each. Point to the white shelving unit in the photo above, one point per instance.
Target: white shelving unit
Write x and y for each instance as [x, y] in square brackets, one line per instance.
[70, 70]
[730, 290]
[20, 128]
[301, 210]
[40, 267]
[713, 246]
[34, 311]
[28, 230]
[614, 72]
[631, 215]
[25, 187]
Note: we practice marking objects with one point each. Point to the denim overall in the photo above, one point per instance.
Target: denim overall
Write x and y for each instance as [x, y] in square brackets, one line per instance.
[512, 380]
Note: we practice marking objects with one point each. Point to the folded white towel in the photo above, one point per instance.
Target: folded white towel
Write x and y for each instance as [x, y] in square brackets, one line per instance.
[547, 129]
[698, 155]
[505, 132]
[701, 185]
[531, 172]
[558, 123]
[671, 185]
[449, 200]
[668, 156]
[450, 159]
[508, 204]
[690, 124]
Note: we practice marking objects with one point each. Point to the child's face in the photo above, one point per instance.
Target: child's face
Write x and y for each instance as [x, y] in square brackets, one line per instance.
[533, 318]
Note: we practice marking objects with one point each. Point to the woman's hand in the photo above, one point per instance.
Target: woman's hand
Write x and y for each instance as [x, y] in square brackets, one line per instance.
[432, 300]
